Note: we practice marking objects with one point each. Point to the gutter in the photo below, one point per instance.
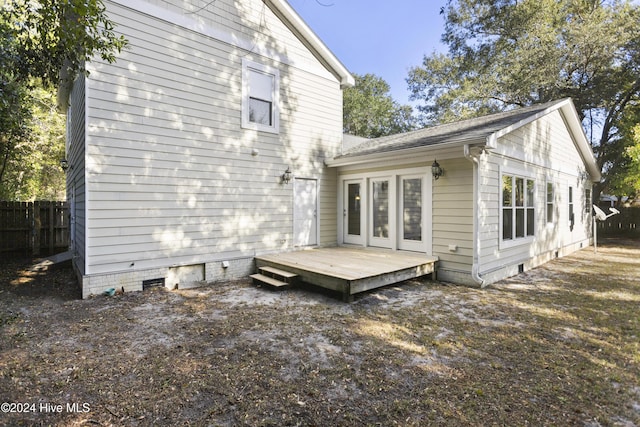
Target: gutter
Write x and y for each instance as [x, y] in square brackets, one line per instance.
[475, 268]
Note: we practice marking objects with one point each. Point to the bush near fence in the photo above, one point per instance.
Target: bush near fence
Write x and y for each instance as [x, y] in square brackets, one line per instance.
[626, 223]
[34, 228]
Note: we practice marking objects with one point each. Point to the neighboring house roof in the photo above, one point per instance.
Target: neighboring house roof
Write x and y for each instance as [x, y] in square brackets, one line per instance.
[300, 28]
[478, 131]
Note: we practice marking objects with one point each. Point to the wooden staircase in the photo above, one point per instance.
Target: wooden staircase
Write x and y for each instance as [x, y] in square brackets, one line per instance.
[274, 278]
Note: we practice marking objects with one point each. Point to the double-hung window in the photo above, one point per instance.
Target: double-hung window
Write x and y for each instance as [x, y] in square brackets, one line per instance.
[518, 207]
[260, 88]
[550, 202]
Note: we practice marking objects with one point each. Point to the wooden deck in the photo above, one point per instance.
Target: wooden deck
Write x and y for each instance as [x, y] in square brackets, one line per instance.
[350, 270]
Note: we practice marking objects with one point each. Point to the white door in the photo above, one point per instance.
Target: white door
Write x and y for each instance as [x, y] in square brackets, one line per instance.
[411, 213]
[353, 213]
[381, 213]
[305, 212]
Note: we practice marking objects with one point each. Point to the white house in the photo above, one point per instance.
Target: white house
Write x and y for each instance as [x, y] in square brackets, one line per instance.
[177, 151]
[216, 137]
[515, 192]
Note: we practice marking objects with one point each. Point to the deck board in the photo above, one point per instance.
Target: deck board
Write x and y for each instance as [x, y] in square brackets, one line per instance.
[351, 269]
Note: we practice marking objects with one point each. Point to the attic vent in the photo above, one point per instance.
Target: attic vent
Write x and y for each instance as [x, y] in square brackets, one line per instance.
[151, 283]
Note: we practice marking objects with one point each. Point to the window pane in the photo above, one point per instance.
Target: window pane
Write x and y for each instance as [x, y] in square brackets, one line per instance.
[381, 209]
[260, 111]
[531, 222]
[587, 200]
[261, 85]
[519, 223]
[549, 192]
[507, 224]
[549, 212]
[507, 190]
[529, 193]
[412, 208]
[353, 212]
[519, 191]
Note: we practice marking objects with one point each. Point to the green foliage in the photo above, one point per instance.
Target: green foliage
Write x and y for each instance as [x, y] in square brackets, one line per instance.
[507, 53]
[624, 179]
[31, 160]
[44, 45]
[370, 111]
[55, 37]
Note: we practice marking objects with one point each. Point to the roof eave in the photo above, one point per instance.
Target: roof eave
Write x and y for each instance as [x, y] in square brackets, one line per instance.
[291, 18]
[398, 155]
[568, 111]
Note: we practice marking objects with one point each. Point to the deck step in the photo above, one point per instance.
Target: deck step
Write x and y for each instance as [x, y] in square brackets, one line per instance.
[277, 272]
[261, 278]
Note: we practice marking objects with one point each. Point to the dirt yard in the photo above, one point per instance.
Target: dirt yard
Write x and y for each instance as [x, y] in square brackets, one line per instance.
[558, 346]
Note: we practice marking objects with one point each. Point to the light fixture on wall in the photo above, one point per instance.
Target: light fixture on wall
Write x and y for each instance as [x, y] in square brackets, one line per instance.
[436, 170]
[64, 164]
[286, 176]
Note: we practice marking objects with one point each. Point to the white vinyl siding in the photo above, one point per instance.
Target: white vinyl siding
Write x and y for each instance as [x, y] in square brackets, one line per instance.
[542, 151]
[173, 178]
[76, 188]
[453, 215]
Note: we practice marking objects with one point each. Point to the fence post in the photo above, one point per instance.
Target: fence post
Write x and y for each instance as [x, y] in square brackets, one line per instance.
[35, 250]
[52, 223]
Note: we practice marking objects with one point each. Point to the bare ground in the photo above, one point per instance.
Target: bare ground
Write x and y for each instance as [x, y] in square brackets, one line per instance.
[554, 346]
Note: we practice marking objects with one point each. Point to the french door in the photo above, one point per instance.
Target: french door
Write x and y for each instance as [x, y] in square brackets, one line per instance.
[389, 211]
[411, 213]
[353, 215]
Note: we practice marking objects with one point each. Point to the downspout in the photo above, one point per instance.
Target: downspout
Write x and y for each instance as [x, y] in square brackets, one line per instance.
[475, 268]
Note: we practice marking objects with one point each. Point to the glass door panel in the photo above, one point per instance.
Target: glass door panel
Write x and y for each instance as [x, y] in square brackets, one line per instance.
[353, 212]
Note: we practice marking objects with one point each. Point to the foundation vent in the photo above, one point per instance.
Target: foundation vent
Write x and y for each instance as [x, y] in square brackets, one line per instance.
[152, 283]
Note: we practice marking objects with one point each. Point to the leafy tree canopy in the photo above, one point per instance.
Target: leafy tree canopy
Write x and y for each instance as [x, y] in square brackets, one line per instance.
[624, 179]
[508, 53]
[43, 45]
[370, 111]
[54, 38]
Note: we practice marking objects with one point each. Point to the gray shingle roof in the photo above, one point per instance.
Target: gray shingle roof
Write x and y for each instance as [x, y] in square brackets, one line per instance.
[474, 129]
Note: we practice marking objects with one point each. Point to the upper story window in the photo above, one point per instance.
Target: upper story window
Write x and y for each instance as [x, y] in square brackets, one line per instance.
[518, 207]
[260, 88]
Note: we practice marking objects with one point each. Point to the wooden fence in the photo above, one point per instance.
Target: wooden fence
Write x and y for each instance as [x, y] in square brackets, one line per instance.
[34, 227]
[626, 223]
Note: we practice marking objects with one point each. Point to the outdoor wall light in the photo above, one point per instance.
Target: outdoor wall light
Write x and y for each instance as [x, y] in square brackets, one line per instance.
[436, 170]
[64, 164]
[286, 176]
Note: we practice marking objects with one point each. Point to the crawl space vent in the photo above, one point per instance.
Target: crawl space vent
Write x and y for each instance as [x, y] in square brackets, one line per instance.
[152, 283]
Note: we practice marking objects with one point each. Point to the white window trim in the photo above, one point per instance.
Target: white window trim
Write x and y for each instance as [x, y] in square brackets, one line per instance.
[245, 122]
[554, 202]
[520, 241]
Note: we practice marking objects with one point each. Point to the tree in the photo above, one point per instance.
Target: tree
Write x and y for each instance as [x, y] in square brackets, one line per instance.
[624, 179]
[508, 53]
[370, 111]
[54, 38]
[44, 45]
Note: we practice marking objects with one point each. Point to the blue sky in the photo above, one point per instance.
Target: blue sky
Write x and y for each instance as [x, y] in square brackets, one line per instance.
[385, 37]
